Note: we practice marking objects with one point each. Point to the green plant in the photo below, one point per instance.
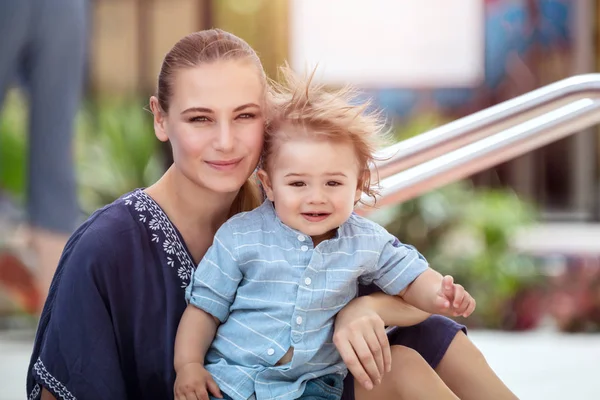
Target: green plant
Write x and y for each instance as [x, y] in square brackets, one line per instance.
[117, 152]
[467, 232]
[13, 146]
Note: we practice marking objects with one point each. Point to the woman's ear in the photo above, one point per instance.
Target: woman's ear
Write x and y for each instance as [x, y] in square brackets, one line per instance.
[159, 120]
[266, 183]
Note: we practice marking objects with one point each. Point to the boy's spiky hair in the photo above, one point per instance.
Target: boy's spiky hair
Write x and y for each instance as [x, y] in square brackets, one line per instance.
[301, 108]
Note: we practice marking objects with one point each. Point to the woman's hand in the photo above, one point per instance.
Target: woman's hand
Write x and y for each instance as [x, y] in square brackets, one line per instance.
[361, 339]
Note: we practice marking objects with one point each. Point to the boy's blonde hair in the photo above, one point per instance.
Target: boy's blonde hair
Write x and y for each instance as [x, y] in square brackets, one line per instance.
[300, 108]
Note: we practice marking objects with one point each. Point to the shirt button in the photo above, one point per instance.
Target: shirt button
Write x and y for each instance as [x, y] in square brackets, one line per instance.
[298, 320]
[304, 248]
[308, 281]
[301, 238]
[270, 352]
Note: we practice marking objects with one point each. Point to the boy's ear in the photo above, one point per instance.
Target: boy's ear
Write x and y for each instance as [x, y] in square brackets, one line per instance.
[159, 120]
[358, 195]
[266, 183]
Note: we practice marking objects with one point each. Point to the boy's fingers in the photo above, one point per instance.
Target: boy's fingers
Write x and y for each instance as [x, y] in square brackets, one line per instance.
[200, 395]
[464, 304]
[459, 296]
[471, 308]
[448, 286]
[213, 388]
[442, 303]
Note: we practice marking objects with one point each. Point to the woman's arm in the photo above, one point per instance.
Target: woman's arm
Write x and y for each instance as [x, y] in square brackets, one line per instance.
[46, 395]
[77, 321]
[360, 335]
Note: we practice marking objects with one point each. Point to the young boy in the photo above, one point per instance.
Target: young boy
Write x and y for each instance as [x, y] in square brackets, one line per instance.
[276, 276]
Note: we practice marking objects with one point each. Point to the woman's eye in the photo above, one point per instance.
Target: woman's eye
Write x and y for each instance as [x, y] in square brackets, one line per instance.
[333, 183]
[246, 116]
[199, 118]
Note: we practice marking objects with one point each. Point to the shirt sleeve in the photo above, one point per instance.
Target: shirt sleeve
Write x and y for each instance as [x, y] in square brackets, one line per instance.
[75, 353]
[398, 266]
[214, 283]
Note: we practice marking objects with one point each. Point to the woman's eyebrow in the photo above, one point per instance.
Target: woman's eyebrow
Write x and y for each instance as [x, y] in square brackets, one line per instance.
[198, 109]
[209, 111]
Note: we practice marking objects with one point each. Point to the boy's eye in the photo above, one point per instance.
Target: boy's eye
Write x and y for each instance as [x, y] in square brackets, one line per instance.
[297, 184]
[333, 183]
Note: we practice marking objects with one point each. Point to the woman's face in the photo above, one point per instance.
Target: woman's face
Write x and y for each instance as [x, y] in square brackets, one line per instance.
[215, 123]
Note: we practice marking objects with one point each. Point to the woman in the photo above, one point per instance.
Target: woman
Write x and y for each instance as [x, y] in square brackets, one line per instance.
[108, 326]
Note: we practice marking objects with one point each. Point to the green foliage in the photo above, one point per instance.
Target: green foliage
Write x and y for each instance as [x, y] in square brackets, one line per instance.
[466, 232]
[13, 145]
[117, 152]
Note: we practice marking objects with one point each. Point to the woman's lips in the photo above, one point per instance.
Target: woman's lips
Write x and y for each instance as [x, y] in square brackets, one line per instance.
[224, 165]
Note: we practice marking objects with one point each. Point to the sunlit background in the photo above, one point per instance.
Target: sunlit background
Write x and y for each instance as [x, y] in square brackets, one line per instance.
[523, 237]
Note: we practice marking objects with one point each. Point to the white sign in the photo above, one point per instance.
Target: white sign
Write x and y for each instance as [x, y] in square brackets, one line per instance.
[389, 43]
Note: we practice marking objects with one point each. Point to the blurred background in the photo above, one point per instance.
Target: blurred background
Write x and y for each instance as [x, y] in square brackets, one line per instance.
[523, 236]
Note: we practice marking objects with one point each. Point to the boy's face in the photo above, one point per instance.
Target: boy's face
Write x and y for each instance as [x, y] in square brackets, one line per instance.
[314, 185]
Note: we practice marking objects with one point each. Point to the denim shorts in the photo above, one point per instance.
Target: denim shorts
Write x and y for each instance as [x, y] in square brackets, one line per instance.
[328, 387]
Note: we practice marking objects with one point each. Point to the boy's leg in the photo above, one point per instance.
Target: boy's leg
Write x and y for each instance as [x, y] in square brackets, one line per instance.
[328, 387]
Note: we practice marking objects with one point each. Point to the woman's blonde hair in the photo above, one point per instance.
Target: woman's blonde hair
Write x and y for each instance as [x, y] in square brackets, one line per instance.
[301, 108]
[248, 198]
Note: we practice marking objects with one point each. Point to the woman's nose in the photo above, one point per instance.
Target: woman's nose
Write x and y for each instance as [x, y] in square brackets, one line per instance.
[224, 141]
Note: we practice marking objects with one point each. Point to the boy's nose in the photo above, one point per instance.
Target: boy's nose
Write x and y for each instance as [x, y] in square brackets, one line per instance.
[317, 197]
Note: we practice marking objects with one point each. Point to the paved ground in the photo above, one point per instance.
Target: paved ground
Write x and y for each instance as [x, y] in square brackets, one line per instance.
[536, 365]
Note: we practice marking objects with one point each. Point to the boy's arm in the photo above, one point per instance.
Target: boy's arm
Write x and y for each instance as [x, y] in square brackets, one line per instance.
[438, 294]
[195, 333]
[394, 310]
[403, 271]
[423, 291]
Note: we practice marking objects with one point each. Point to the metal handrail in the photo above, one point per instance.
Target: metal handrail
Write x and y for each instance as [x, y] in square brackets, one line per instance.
[432, 163]
[456, 134]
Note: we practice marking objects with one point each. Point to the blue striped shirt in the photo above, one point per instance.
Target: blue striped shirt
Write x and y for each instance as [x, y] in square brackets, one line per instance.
[272, 290]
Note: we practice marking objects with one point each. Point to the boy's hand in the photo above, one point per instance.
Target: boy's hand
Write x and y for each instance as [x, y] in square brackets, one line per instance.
[453, 300]
[194, 382]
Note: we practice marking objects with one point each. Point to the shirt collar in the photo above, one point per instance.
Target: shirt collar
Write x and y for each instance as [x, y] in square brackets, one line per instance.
[268, 209]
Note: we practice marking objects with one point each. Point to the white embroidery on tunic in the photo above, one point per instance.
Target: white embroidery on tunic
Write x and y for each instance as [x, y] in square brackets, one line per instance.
[163, 232]
[50, 382]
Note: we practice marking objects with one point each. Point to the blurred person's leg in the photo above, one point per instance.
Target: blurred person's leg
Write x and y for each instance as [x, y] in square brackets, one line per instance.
[15, 17]
[15, 28]
[55, 66]
[466, 372]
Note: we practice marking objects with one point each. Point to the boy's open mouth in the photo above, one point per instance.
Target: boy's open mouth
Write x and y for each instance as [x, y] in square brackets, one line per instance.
[315, 217]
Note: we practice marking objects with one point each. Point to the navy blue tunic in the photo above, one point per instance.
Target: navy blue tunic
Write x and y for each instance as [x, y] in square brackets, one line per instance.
[108, 327]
